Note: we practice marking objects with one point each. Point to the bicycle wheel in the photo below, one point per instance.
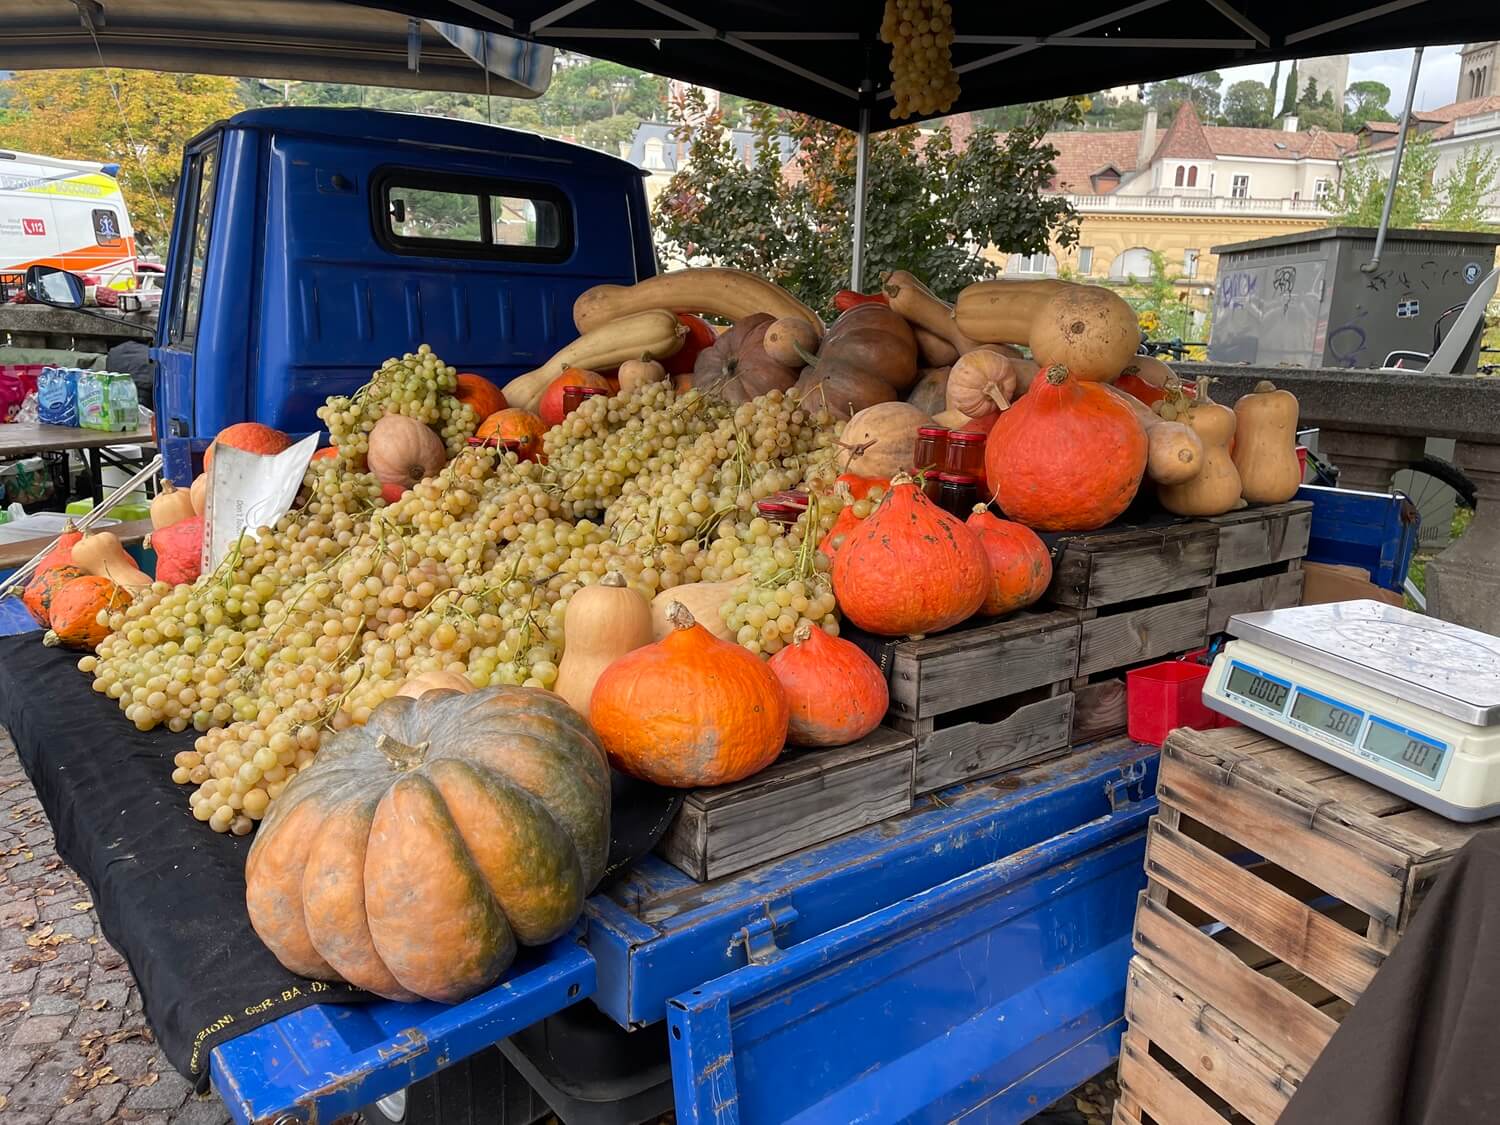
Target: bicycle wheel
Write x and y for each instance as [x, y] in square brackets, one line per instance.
[1445, 497]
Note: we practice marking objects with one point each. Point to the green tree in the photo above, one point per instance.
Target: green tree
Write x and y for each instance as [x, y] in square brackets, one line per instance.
[1458, 200]
[930, 208]
[1247, 104]
[1309, 92]
[1366, 101]
[1289, 99]
[1201, 89]
[73, 114]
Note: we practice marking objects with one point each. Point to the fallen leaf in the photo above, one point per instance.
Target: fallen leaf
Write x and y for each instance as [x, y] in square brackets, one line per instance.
[99, 1005]
[150, 1078]
[3, 1100]
[83, 906]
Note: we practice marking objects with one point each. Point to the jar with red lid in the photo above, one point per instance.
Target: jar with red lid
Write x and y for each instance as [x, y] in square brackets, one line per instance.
[778, 512]
[574, 397]
[927, 451]
[964, 453]
[957, 493]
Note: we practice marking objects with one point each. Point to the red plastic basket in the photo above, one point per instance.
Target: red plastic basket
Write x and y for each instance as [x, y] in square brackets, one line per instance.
[1162, 697]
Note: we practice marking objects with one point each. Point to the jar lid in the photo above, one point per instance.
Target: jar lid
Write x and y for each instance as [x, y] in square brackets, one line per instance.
[958, 478]
[964, 437]
[932, 431]
[587, 392]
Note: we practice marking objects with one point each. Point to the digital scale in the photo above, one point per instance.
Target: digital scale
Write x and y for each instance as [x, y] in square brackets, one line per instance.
[1406, 702]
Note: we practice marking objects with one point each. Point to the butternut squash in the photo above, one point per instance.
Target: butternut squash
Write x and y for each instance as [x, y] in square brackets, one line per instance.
[100, 553]
[932, 349]
[652, 334]
[1265, 444]
[171, 505]
[1216, 488]
[922, 309]
[1089, 330]
[198, 493]
[1002, 311]
[603, 622]
[1174, 453]
[702, 599]
[715, 290]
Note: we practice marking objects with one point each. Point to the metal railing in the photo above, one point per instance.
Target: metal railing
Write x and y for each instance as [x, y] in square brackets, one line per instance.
[1185, 204]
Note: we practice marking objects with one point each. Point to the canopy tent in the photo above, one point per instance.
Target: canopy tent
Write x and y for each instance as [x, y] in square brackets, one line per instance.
[826, 60]
[301, 40]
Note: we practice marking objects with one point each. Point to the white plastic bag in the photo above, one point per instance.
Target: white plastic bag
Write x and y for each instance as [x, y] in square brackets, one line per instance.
[247, 491]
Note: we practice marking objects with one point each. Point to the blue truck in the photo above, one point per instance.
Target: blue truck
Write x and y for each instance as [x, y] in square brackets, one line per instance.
[964, 960]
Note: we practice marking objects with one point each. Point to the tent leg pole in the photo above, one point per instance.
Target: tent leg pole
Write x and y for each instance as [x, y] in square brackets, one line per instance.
[1390, 191]
[861, 161]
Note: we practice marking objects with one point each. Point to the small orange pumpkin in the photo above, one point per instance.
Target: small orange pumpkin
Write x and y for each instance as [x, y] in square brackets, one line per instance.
[1068, 456]
[516, 429]
[910, 567]
[836, 693]
[690, 709]
[76, 609]
[839, 533]
[252, 437]
[179, 551]
[551, 405]
[327, 453]
[43, 587]
[481, 394]
[62, 551]
[1020, 565]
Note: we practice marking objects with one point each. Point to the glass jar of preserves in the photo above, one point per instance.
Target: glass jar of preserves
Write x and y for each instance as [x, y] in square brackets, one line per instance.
[963, 453]
[574, 397]
[957, 494]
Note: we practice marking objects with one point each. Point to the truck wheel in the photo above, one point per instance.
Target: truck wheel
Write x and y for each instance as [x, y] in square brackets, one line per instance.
[484, 1089]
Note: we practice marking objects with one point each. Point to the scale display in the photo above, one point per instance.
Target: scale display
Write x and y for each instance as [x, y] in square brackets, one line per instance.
[1407, 702]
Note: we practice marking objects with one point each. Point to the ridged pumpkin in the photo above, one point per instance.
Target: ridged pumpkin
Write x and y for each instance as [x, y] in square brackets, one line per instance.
[516, 429]
[481, 394]
[404, 451]
[418, 849]
[909, 567]
[1020, 564]
[690, 709]
[1068, 456]
[43, 587]
[838, 534]
[75, 612]
[252, 437]
[836, 693]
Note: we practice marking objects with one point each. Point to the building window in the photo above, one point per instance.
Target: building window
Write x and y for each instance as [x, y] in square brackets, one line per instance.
[655, 157]
[1321, 188]
[1240, 188]
[1133, 263]
[1181, 172]
[1190, 263]
[1033, 263]
[1085, 260]
[1193, 176]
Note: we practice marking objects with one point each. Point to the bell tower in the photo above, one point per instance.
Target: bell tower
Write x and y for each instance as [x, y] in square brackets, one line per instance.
[1478, 72]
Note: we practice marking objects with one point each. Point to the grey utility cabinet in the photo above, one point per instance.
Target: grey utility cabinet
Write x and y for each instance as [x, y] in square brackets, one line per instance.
[1302, 299]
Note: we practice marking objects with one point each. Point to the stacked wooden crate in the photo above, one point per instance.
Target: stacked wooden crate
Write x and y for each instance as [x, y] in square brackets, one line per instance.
[1277, 886]
[993, 696]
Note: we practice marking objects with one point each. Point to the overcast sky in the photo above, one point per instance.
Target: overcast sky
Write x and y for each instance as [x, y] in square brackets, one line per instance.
[1436, 86]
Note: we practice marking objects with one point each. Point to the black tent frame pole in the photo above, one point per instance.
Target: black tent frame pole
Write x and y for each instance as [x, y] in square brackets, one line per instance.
[1390, 191]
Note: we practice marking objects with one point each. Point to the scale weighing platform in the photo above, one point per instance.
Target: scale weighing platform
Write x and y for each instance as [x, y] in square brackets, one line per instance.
[1406, 702]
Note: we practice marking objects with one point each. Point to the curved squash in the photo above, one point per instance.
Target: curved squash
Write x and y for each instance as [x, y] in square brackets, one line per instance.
[1174, 453]
[101, 553]
[652, 334]
[925, 310]
[171, 505]
[604, 621]
[1216, 489]
[1265, 444]
[715, 290]
[1002, 311]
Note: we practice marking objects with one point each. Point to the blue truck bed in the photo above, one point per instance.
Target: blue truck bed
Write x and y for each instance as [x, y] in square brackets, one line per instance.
[966, 958]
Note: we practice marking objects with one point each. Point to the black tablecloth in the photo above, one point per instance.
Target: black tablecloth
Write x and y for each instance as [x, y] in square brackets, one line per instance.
[1419, 1047]
[170, 893]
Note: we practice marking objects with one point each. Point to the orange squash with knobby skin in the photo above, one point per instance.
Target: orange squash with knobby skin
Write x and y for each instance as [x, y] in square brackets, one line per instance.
[909, 567]
[252, 437]
[516, 429]
[179, 551]
[1068, 456]
[690, 709]
[75, 612]
[419, 849]
[836, 693]
[1020, 564]
[43, 587]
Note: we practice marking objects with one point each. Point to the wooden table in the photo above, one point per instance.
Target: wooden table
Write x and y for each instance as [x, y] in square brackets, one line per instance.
[20, 552]
[23, 439]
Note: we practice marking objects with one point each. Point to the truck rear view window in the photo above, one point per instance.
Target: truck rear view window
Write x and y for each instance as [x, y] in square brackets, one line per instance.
[457, 216]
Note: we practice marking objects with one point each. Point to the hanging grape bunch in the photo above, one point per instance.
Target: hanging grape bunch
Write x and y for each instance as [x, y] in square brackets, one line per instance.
[920, 35]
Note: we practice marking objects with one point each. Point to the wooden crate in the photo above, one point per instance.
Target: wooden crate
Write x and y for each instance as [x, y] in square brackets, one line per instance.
[990, 738]
[1311, 877]
[807, 797]
[1252, 592]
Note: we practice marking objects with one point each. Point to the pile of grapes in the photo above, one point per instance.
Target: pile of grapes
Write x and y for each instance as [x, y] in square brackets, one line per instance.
[305, 627]
[920, 35]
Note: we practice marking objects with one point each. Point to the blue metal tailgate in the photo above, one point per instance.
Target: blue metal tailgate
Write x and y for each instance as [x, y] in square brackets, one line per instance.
[655, 933]
[982, 999]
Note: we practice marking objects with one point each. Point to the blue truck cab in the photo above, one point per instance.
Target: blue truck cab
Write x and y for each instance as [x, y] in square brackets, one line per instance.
[311, 244]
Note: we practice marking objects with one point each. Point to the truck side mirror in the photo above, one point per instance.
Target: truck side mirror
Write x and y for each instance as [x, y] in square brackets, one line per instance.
[48, 285]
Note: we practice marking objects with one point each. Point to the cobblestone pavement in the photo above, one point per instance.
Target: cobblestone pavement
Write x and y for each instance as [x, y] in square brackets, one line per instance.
[74, 1046]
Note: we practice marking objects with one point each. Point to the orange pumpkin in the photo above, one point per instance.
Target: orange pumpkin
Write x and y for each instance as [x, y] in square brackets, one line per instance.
[839, 533]
[252, 437]
[1068, 456]
[836, 693]
[327, 453]
[551, 405]
[404, 451]
[910, 567]
[62, 551]
[390, 493]
[179, 551]
[76, 609]
[690, 709]
[859, 486]
[1020, 564]
[516, 429]
[700, 337]
[43, 587]
[481, 394]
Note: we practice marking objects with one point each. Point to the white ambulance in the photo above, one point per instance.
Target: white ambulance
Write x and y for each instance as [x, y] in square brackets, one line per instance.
[64, 213]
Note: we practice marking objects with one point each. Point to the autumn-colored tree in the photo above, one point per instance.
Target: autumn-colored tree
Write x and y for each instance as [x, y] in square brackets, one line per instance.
[73, 114]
